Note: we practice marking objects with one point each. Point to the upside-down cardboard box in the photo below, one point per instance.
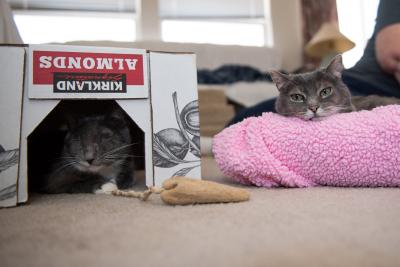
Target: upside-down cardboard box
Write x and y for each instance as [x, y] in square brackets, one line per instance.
[157, 90]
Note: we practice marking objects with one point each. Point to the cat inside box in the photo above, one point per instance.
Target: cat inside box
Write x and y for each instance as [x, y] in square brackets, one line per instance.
[85, 146]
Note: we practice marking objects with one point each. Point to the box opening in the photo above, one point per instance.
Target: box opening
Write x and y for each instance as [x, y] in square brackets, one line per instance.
[56, 145]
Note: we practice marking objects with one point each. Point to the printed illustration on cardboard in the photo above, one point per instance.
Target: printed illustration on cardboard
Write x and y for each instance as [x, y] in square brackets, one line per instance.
[8, 158]
[172, 146]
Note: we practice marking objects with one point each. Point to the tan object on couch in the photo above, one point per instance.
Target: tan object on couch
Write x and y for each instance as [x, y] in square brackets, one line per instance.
[215, 112]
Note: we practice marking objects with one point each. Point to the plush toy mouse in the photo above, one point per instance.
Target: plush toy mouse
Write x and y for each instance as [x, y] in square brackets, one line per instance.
[185, 191]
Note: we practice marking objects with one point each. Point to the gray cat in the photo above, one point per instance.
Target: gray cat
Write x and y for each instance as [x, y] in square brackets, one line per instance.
[321, 93]
[96, 156]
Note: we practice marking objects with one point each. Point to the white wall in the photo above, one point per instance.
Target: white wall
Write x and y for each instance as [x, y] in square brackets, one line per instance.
[148, 24]
[356, 22]
[286, 27]
[287, 31]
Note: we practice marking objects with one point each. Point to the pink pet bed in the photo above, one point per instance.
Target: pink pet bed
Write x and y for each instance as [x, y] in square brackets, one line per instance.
[349, 149]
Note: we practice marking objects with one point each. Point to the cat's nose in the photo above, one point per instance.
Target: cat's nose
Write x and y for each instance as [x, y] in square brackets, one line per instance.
[89, 155]
[313, 108]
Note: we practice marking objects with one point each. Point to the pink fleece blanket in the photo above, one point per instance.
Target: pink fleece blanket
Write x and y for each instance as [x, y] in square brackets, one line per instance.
[349, 149]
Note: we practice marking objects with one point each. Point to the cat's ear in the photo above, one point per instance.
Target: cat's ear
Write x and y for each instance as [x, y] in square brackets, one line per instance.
[70, 121]
[279, 79]
[116, 117]
[116, 114]
[336, 67]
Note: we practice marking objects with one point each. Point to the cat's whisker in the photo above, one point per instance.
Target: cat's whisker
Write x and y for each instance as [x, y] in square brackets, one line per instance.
[65, 166]
[66, 158]
[287, 113]
[117, 149]
[124, 164]
[301, 114]
[335, 109]
[337, 106]
[332, 110]
[122, 156]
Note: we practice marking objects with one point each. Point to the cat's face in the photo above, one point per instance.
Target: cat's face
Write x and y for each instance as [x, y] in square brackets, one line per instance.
[313, 95]
[97, 143]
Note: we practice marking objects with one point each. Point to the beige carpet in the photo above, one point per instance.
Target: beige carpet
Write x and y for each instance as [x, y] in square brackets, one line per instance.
[280, 227]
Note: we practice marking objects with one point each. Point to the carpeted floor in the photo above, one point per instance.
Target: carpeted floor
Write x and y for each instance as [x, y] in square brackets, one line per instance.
[280, 227]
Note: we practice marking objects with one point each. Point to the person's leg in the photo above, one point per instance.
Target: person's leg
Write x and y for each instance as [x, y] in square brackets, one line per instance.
[362, 88]
[257, 110]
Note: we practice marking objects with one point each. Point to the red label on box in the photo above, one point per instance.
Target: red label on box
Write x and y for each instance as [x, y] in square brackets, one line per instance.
[46, 63]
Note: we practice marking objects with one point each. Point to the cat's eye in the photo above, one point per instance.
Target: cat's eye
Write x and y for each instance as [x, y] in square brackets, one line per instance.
[297, 98]
[326, 92]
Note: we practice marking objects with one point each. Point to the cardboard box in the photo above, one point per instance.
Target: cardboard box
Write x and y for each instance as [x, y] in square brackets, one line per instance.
[157, 90]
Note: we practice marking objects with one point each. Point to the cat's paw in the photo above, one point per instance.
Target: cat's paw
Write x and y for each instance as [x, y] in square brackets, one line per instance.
[106, 188]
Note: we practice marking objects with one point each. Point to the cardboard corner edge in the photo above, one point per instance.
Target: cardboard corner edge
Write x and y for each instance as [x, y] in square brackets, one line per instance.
[16, 198]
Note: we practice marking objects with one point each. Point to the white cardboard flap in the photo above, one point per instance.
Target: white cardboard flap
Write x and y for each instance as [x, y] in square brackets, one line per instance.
[176, 126]
[12, 58]
[140, 113]
[60, 72]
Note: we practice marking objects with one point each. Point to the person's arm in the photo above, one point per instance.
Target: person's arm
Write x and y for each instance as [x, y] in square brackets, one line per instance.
[387, 47]
[387, 42]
